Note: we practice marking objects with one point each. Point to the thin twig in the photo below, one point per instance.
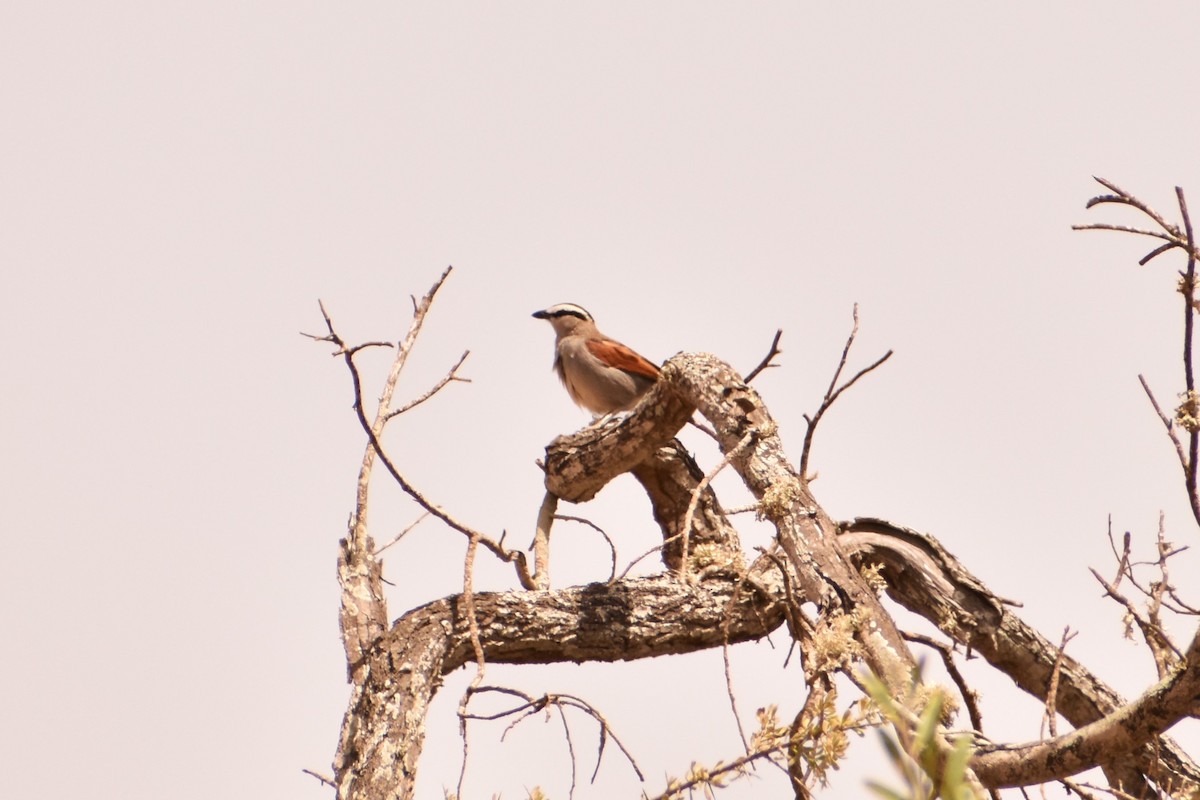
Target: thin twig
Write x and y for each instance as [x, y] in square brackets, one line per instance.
[373, 431]
[677, 788]
[1104, 226]
[704, 428]
[403, 533]
[533, 705]
[833, 392]
[766, 363]
[946, 652]
[562, 715]
[1155, 253]
[729, 693]
[1183, 238]
[1189, 313]
[468, 596]
[1125, 198]
[1155, 637]
[694, 502]
[1052, 692]
[327, 781]
[1077, 788]
[747, 579]
[1165, 592]
[437, 387]
[1123, 557]
[1170, 232]
[1167, 423]
[629, 567]
[608, 539]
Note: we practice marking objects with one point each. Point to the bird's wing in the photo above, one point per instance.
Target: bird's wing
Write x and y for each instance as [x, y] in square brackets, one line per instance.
[618, 356]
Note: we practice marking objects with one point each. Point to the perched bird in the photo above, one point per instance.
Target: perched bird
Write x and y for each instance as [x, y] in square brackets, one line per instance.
[601, 374]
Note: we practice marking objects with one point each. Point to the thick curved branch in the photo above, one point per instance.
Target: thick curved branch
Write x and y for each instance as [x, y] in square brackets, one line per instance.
[580, 464]
[927, 580]
[636, 618]
[749, 438]
[805, 531]
[1128, 728]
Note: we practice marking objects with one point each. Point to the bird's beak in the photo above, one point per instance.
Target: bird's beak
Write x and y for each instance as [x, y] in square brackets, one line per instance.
[540, 315]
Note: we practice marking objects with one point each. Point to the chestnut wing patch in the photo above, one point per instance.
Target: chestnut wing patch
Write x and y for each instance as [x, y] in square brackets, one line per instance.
[617, 355]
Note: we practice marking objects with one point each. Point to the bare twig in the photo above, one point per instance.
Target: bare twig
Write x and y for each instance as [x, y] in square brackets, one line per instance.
[801, 628]
[533, 705]
[1104, 226]
[570, 749]
[747, 579]
[374, 429]
[834, 391]
[689, 516]
[946, 652]
[677, 789]
[704, 428]
[1156, 638]
[1183, 238]
[629, 567]
[1165, 652]
[1051, 717]
[1167, 423]
[729, 693]
[403, 533]
[1079, 787]
[468, 596]
[612, 548]
[1123, 558]
[452, 375]
[327, 781]
[1122, 197]
[766, 363]
[1073, 788]
[1161, 591]
[1169, 232]
[1189, 314]
[1165, 551]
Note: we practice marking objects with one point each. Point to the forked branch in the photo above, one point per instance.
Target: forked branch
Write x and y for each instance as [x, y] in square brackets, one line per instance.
[385, 414]
[834, 391]
[1182, 236]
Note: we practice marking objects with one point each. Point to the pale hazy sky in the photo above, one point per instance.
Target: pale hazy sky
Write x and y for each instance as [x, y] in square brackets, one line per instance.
[179, 183]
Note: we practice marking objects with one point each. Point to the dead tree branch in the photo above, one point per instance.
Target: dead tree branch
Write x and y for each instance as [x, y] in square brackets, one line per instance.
[927, 580]
[769, 359]
[384, 413]
[636, 618]
[833, 392]
[1187, 414]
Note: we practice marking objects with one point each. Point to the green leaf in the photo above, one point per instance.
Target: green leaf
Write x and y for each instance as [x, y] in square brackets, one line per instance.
[885, 792]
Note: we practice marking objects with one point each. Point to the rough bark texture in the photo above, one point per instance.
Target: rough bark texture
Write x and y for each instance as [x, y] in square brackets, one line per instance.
[927, 580]
[395, 673]
[363, 617]
[636, 618]
[750, 439]
[580, 464]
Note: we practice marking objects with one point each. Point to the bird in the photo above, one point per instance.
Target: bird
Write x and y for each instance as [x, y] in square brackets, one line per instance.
[600, 374]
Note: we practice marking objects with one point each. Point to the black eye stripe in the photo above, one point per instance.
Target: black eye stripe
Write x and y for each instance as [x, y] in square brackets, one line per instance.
[561, 311]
